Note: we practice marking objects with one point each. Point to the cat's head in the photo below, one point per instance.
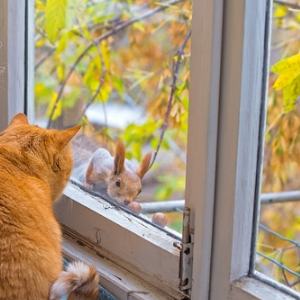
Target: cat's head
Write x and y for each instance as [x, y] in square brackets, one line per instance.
[42, 153]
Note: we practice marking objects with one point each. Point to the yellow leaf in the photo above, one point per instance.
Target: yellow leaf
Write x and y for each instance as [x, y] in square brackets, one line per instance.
[104, 93]
[60, 71]
[290, 94]
[39, 5]
[89, 72]
[56, 11]
[57, 109]
[95, 67]
[62, 43]
[288, 69]
[286, 64]
[105, 55]
[139, 26]
[38, 88]
[84, 28]
[40, 43]
[98, 63]
[280, 11]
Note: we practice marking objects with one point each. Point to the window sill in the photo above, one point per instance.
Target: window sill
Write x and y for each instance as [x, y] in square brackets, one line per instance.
[259, 288]
[116, 280]
[141, 249]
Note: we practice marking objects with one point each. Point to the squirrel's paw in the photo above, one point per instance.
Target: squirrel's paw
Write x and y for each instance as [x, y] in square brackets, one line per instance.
[88, 185]
[135, 207]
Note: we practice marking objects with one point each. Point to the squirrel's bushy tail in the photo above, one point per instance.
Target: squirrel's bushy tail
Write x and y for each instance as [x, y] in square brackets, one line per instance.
[79, 281]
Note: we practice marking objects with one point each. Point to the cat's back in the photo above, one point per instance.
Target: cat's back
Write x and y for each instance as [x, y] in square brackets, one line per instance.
[35, 166]
[29, 236]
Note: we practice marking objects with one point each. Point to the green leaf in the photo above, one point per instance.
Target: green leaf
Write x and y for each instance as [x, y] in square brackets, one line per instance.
[64, 41]
[177, 225]
[170, 184]
[185, 102]
[56, 11]
[71, 98]
[119, 86]
[163, 193]
[93, 74]
[139, 26]
[60, 71]
[105, 55]
[89, 72]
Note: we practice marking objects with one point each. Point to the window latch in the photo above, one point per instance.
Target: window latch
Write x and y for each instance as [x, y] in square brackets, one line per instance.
[186, 254]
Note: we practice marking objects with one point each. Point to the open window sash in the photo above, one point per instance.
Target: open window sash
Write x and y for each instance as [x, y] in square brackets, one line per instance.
[230, 48]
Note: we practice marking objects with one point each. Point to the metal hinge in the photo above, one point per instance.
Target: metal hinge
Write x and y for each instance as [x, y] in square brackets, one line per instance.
[186, 254]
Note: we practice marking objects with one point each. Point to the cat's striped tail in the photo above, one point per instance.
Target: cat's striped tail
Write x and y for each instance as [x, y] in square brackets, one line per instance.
[79, 281]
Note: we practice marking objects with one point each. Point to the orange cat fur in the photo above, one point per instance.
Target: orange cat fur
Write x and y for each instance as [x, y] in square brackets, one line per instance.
[35, 166]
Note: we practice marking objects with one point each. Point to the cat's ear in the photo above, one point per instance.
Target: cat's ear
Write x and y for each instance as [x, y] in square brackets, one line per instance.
[19, 119]
[65, 136]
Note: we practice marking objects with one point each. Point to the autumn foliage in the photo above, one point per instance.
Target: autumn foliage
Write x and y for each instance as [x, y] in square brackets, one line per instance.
[281, 167]
[110, 65]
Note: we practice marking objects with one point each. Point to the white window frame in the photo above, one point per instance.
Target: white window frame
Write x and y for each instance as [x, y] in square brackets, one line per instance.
[11, 60]
[230, 85]
[227, 89]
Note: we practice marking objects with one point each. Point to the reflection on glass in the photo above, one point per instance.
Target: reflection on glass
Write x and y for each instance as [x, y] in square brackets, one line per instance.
[121, 69]
[278, 252]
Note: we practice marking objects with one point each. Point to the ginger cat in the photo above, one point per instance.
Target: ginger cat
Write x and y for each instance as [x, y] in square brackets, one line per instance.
[35, 166]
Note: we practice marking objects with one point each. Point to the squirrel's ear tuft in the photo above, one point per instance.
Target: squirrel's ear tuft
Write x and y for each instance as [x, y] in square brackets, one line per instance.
[141, 171]
[119, 158]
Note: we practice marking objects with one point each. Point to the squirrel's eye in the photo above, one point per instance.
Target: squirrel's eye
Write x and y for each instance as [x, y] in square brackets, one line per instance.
[118, 182]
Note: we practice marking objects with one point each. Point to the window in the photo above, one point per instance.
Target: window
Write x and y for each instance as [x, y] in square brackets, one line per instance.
[121, 70]
[98, 64]
[277, 246]
[228, 79]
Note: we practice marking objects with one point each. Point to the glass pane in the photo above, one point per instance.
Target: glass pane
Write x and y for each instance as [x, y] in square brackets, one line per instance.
[121, 70]
[278, 252]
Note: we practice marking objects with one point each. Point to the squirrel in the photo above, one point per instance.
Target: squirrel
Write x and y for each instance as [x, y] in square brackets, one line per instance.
[116, 175]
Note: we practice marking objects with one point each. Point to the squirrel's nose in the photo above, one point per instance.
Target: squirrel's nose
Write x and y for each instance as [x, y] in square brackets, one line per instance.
[126, 202]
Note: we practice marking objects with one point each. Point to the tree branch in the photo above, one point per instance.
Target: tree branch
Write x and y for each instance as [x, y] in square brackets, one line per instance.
[285, 278]
[294, 283]
[173, 88]
[44, 59]
[109, 33]
[101, 81]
